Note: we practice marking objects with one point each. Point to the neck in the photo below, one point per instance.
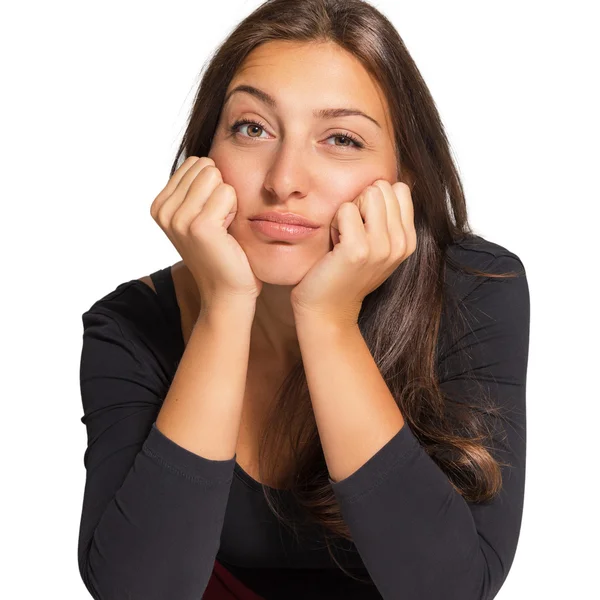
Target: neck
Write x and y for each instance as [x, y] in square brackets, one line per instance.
[274, 328]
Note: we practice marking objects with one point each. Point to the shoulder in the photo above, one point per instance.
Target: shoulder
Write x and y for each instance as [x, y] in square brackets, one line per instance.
[133, 304]
[475, 305]
[148, 281]
[485, 320]
[133, 314]
[476, 252]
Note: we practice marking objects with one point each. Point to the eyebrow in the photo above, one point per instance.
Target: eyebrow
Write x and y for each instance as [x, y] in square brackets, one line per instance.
[323, 113]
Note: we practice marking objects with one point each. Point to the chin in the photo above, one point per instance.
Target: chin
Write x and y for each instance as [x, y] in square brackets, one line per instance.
[282, 269]
[281, 264]
[279, 276]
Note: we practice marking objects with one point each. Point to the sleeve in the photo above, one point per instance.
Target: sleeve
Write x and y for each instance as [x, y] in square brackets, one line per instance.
[417, 536]
[152, 510]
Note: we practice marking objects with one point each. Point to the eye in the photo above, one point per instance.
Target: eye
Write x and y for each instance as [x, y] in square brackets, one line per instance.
[339, 134]
[347, 136]
[241, 122]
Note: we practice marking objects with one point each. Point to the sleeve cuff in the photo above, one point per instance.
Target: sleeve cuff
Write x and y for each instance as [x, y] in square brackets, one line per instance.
[193, 466]
[376, 469]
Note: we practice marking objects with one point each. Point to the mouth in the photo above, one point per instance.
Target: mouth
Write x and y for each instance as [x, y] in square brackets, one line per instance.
[287, 218]
[282, 231]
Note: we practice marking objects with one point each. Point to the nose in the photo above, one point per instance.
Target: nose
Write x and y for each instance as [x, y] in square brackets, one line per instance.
[288, 173]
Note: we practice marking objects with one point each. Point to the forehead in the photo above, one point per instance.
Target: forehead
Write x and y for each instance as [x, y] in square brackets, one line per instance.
[307, 76]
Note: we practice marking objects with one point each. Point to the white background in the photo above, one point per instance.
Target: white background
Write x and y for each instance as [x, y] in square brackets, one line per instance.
[95, 100]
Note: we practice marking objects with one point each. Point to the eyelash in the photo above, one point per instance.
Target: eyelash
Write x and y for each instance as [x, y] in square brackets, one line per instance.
[359, 145]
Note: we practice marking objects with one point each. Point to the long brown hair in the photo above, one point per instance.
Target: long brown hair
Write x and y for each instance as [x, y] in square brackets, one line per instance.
[400, 320]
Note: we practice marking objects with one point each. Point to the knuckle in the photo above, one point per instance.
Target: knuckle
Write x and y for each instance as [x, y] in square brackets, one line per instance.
[155, 206]
[384, 253]
[201, 160]
[359, 256]
[197, 227]
[211, 171]
[161, 217]
[208, 176]
[228, 188]
[178, 225]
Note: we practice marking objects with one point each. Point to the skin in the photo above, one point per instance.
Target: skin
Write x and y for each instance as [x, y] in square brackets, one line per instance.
[295, 164]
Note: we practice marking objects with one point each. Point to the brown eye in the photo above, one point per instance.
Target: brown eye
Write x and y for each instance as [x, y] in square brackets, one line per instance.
[252, 125]
[343, 137]
[354, 143]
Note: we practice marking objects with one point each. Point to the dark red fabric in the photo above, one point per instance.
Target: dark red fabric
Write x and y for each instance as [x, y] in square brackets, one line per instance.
[223, 585]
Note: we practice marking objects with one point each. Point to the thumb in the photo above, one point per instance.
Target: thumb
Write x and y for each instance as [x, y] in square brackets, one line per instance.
[335, 235]
[230, 217]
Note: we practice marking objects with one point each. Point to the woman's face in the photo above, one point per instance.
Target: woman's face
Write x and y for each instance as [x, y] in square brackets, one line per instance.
[296, 161]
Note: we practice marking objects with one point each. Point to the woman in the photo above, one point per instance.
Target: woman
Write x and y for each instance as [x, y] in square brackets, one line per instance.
[360, 381]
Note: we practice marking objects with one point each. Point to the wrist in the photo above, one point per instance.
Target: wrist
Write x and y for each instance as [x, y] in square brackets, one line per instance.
[234, 307]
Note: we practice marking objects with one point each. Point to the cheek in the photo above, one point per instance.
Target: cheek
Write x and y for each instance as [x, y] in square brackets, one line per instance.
[222, 161]
[347, 186]
[237, 173]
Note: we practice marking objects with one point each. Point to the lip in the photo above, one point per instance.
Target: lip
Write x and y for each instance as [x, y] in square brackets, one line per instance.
[287, 218]
[282, 231]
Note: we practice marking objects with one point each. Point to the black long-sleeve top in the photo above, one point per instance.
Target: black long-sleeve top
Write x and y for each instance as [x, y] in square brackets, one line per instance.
[155, 516]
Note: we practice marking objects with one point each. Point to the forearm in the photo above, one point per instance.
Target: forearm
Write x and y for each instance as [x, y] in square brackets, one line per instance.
[355, 412]
[202, 410]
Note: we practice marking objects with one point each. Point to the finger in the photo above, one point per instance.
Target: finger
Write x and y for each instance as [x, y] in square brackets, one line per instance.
[373, 208]
[391, 203]
[185, 166]
[192, 190]
[353, 237]
[220, 206]
[178, 185]
[407, 216]
[197, 197]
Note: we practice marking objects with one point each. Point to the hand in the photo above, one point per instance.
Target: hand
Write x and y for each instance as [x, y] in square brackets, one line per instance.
[364, 255]
[195, 210]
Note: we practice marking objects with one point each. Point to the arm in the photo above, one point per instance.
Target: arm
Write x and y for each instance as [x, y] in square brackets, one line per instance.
[417, 536]
[158, 479]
